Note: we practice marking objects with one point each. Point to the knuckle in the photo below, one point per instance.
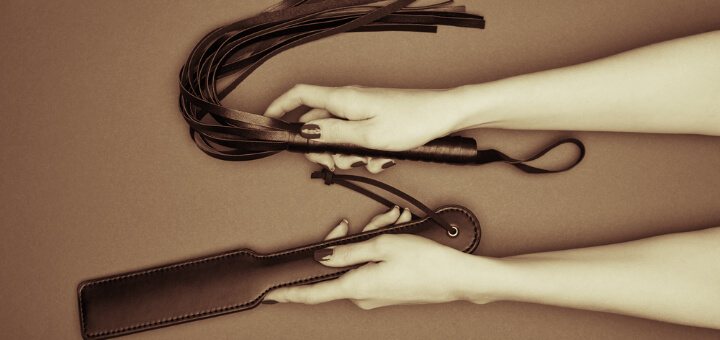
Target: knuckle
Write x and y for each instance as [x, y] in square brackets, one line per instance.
[299, 87]
[359, 293]
[366, 135]
[382, 242]
[374, 169]
[341, 161]
[343, 95]
[300, 296]
[363, 138]
[346, 255]
[290, 294]
[364, 304]
[344, 167]
[349, 90]
[347, 287]
[347, 96]
[337, 96]
[333, 130]
[352, 288]
[374, 136]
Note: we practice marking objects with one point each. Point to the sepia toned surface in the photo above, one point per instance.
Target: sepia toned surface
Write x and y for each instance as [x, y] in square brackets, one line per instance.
[99, 176]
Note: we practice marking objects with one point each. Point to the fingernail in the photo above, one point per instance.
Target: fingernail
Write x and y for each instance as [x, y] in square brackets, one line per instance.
[268, 302]
[345, 221]
[388, 164]
[328, 168]
[357, 164]
[391, 209]
[323, 254]
[310, 131]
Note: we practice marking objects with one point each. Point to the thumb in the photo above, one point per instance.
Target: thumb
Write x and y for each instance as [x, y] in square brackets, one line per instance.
[331, 130]
[373, 250]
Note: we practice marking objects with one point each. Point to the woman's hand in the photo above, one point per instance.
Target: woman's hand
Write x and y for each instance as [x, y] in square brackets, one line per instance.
[400, 269]
[382, 119]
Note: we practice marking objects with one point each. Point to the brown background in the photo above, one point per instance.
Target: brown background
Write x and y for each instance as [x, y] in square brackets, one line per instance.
[98, 175]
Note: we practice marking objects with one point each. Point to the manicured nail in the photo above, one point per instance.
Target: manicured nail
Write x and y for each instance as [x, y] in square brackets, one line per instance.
[269, 302]
[388, 164]
[310, 131]
[391, 209]
[345, 221]
[323, 254]
[357, 164]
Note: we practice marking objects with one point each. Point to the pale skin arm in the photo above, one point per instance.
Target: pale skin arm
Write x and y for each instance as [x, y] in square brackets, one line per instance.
[673, 278]
[669, 87]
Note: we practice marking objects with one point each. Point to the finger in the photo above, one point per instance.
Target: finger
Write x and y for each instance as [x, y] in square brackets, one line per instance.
[310, 294]
[347, 162]
[323, 159]
[333, 130]
[314, 114]
[372, 304]
[309, 95]
[377, 303]
[339, 231]
[279, 295]
[375, 165]
[373, 250]
[384, 219]
[405, 217]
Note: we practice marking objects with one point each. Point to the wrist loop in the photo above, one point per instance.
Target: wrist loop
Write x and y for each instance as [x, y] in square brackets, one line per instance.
[345, 180]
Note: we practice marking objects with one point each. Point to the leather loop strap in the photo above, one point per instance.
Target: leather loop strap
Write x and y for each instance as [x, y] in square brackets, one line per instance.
[236, 50]
[345, 180]
[492, 155]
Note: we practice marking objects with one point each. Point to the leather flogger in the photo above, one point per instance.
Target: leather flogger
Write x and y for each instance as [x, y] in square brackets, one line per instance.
[237, 280]
[236, 50]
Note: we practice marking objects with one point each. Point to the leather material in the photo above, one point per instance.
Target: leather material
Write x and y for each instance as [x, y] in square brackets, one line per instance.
[452, 150]
[231, 281]
[236, 50]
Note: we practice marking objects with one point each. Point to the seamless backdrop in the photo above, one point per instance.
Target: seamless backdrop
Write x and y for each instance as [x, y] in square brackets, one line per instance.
[98, 174]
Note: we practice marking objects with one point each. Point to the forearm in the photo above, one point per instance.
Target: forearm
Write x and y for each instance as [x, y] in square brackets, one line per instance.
[670, 87]
[673, 278]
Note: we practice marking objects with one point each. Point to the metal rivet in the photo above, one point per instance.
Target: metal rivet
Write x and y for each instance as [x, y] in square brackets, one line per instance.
[454, 231]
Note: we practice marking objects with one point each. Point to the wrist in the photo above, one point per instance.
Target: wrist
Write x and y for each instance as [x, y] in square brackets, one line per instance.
[485, 280]
[475, 106]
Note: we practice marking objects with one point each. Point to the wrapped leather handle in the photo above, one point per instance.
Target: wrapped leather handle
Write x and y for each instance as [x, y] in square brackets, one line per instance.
[451, 149]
